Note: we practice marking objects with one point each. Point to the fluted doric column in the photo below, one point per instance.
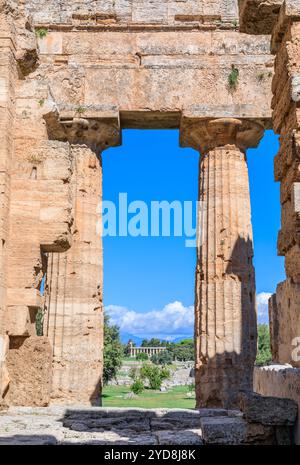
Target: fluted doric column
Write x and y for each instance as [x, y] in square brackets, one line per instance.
[225, 310]
[74, 304]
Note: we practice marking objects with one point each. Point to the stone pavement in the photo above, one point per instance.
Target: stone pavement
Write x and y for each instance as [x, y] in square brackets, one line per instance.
[94, 425]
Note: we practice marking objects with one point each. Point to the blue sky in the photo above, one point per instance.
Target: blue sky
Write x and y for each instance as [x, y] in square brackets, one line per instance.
[149, 281]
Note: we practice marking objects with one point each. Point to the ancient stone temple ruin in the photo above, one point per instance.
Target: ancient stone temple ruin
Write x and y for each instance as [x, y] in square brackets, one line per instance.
[73, 74]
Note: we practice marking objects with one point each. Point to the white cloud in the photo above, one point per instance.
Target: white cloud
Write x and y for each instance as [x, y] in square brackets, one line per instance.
[262, 306]
[174, 320]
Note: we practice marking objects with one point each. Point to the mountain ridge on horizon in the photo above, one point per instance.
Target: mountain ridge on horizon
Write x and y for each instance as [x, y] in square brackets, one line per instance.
[125, 337]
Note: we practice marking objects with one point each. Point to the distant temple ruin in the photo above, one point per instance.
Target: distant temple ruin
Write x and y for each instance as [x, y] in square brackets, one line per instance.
[134, 351]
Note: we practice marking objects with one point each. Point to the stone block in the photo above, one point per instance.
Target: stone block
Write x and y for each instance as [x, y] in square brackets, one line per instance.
[21, 320]
[29, 367]
[223, 430]
[192, 437]
[280, 381]
[20, 297]
[268, 410]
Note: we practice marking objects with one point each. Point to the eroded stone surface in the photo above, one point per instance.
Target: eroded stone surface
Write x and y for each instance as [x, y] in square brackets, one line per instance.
[80, 425]
[280, 381]
[268, 410]
[30, 369]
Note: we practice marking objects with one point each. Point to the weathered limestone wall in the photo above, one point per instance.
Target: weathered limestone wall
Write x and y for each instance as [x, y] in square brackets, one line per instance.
[280, 381]
[74, 313]
[284, 306]
[284, 24]
[7, 76]
[17, 55]
[286, 117]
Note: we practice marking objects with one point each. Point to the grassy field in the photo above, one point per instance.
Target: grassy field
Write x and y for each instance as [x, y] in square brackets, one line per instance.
[176, 397]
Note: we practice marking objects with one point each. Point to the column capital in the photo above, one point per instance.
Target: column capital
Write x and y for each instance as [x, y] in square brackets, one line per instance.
[207, 134]
[97, 130]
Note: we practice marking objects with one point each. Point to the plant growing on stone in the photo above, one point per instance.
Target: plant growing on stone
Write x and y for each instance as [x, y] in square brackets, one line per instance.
[41, 33]
[233, 78]
[137, 386]
[80, 110]
[41, 102]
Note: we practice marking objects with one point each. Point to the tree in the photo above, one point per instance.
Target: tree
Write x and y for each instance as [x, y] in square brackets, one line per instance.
[154, 374]
[113, 350]
[183, 351]
[142, 357]
[163, 358]
[153, 342]
[264, 354]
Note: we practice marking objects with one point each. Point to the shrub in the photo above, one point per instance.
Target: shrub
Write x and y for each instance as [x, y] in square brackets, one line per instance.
[137, 387]
[154, 374]
[142, 357]
[80, 110]
[233, 78]
[165, 373]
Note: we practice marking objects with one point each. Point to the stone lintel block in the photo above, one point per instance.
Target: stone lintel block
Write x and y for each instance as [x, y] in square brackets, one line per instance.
[21, 320]
[24, 297]
[268, 410]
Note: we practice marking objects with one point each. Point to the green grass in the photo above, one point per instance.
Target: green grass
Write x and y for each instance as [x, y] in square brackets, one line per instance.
[113, 396]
